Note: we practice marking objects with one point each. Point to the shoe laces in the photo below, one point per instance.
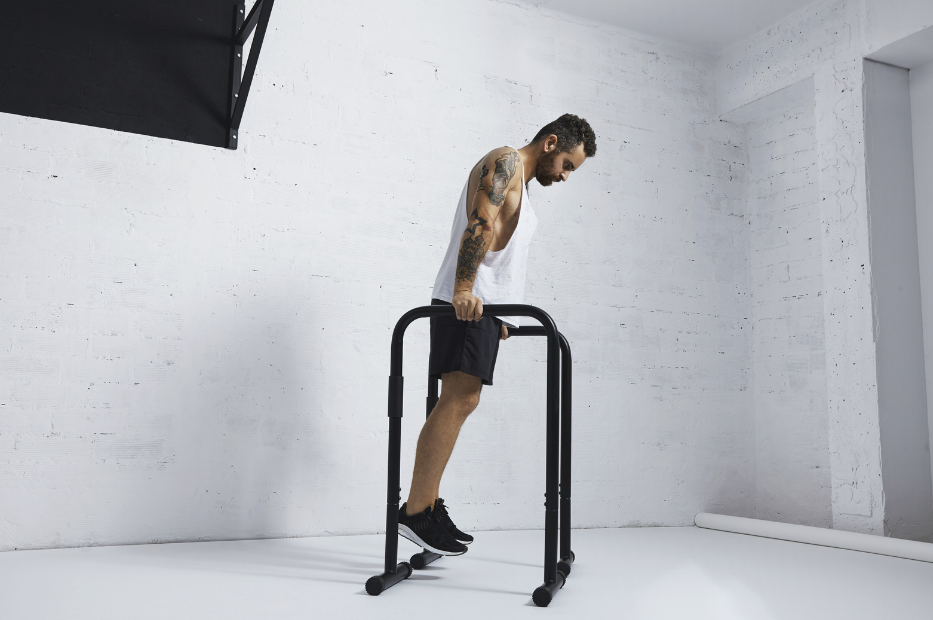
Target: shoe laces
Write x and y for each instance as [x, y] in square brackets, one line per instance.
[440, 512]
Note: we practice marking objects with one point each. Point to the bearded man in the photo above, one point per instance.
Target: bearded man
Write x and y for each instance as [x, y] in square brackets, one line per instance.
[485, 264]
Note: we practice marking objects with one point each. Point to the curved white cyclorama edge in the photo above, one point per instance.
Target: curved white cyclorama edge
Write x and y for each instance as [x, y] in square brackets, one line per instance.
[908, 549]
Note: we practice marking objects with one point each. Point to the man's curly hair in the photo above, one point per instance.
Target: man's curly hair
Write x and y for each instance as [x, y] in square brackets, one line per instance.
[570, 130]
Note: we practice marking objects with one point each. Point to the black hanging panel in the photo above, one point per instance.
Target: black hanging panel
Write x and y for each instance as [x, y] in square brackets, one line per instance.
[158, 68]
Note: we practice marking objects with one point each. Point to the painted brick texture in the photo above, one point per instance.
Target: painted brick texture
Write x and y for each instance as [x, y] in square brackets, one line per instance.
[786, 287]
[195, 341]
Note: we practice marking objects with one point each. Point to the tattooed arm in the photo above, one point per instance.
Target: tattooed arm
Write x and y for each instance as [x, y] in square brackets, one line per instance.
[497, 179]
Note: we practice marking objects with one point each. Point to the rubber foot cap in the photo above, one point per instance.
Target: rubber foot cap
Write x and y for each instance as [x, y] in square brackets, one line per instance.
[541, 596]
[375, 585]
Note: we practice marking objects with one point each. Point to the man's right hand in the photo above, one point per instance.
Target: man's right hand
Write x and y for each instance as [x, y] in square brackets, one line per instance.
[467, 306]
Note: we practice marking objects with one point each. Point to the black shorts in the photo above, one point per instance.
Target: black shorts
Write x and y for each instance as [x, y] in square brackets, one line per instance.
[468, 346]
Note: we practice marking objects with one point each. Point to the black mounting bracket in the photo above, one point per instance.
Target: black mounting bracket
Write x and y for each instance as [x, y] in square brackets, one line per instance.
[240, 81]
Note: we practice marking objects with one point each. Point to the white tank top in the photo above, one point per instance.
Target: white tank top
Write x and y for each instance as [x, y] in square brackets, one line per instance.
[500, 278]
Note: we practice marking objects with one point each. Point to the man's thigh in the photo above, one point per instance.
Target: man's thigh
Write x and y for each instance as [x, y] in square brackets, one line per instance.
[459, 385]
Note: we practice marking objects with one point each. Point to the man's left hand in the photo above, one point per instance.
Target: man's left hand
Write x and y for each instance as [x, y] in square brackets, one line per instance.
[505, 333]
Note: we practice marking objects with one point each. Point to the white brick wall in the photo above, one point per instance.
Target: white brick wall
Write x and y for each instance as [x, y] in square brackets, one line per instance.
[786, 286]
[825, 41]
[195, 341]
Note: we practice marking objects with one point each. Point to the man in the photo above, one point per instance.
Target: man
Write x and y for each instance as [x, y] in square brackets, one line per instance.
[484, 264]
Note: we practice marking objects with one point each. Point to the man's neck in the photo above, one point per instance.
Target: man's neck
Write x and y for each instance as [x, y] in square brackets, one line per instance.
[529, 155]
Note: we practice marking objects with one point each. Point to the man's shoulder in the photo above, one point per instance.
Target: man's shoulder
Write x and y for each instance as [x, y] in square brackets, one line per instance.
[502, 151]
[503, 160]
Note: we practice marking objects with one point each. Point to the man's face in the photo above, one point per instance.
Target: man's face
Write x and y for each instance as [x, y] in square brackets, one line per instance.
[554, 167]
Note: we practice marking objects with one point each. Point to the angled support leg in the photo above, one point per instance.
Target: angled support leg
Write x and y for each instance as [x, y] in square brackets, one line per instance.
[257, 19]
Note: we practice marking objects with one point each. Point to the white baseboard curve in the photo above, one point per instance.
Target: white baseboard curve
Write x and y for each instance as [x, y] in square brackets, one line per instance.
[896, 547]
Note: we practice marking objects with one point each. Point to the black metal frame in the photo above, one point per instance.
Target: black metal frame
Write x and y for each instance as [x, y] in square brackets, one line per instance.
[559, 376]
[257, 19]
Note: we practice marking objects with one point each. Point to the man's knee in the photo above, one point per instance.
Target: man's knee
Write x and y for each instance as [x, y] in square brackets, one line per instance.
[463, 403]
[469, 402]
[462, 392]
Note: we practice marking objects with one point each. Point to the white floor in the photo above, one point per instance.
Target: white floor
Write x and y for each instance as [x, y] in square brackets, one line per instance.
[675, 573]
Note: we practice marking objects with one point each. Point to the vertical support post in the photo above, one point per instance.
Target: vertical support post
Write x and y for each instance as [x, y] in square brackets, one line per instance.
[396, 383]
[432, 396]
[393, 572]
[566, 398]
[553, 459]
[392, 497]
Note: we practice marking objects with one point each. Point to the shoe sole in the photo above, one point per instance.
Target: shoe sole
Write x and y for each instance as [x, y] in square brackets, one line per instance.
[406, 532]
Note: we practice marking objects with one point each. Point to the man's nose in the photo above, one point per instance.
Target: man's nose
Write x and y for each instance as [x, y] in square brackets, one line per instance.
[564, 175]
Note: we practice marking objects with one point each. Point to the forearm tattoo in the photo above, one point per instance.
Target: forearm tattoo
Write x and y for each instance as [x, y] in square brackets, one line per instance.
[472, 251]
[472, 248]
[505, 169]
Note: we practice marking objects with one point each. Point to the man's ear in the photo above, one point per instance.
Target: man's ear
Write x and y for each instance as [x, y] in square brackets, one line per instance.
[550, 143]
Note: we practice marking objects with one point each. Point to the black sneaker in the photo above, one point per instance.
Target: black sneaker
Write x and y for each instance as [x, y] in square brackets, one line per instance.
[423, 529]
[441, 510]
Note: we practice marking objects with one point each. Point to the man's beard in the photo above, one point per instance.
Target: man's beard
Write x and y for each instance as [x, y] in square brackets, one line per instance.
[542, 173]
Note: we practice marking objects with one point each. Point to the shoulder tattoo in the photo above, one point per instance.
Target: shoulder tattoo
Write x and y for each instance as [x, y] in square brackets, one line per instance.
[505, 170]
